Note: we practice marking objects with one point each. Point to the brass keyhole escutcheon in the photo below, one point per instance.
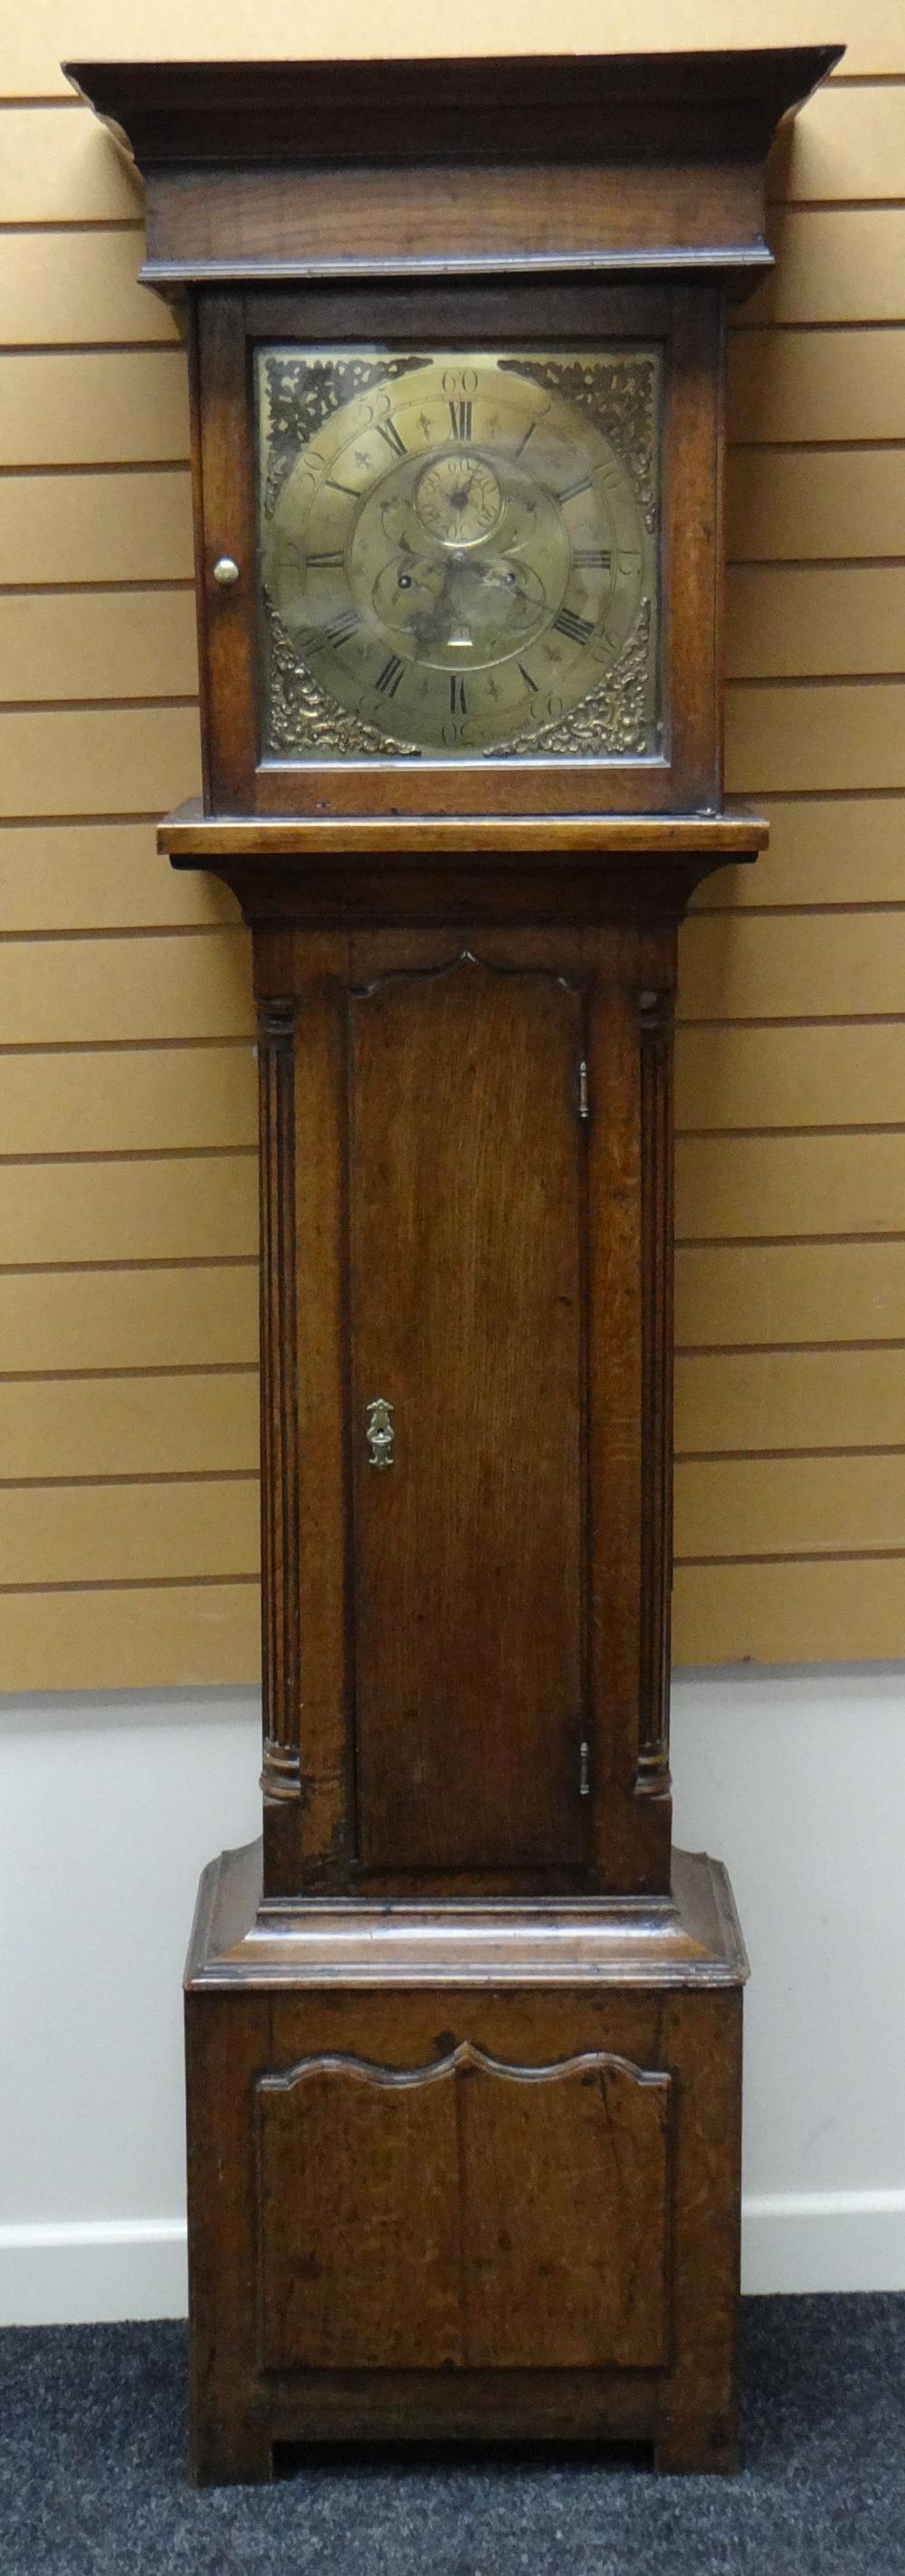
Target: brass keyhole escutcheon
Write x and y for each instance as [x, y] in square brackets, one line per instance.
[380, 1434]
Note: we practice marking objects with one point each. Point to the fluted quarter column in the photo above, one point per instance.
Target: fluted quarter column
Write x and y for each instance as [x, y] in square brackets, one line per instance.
[656, 1012]
[281, 1773]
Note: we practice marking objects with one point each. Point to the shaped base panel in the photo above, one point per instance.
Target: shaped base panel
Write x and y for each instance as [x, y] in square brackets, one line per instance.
[463, 2171]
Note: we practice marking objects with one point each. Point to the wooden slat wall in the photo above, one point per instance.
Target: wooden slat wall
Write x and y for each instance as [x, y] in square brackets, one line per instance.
[128, 1528]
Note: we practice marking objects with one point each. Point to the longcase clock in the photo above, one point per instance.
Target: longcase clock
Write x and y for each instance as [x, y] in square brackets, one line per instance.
[463, 2033]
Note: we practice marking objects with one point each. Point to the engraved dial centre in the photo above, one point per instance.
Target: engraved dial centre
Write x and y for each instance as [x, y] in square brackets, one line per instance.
[451, 605]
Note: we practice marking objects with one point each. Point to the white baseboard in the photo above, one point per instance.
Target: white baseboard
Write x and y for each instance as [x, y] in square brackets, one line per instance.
[824, 2240]
[92, 2271]
[99, 2270]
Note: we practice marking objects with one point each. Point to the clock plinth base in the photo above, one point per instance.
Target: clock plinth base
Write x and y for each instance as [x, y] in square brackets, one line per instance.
[463, 2170]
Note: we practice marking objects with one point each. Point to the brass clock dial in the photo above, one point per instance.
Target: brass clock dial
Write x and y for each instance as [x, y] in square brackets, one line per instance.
[458, 552]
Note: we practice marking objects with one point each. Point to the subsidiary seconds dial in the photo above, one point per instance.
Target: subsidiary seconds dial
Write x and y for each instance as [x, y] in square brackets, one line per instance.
[458, 555]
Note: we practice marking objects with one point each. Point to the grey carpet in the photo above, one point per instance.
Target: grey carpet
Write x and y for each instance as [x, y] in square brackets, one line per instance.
[92, 2478]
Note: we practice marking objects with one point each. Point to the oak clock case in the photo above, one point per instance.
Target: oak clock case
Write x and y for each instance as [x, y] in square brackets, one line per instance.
[463, 2034]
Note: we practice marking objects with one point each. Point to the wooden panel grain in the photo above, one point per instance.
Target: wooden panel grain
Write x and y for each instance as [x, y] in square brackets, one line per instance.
[153, 1099]
[360, 2217]
[224, 2056]
[165, 1208]
[846, 143]
[227, 618]
[832, 265]
[147, 1533]
[94, 407]
[122, 760]
[736, 1293]
[815, 387]
[183, 1425]
[107, 644]
[814, 735]
[154, 1318]
[542, 2147]
[787, 503]
[795, 621]
[835, 1610]
[756, 1400]
[823, 850]
[790, 1185]
[101, 876]
[177, 1636]
[430, 212]
[734, 1507]
[78, 992]
[63, 287]
[817, 1076]
[97, 527]
[61, 170]
[464, 1084]
[762, 966]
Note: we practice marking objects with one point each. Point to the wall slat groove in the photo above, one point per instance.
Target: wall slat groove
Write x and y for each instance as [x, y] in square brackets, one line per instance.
[726, 1456]
[53, 226]
[786, 1556]
[127, 1583]
[171, 1368]
[755, 1242]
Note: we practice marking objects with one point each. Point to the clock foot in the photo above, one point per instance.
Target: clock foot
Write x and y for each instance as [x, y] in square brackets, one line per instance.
[709, 2448]
[224, 2454]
